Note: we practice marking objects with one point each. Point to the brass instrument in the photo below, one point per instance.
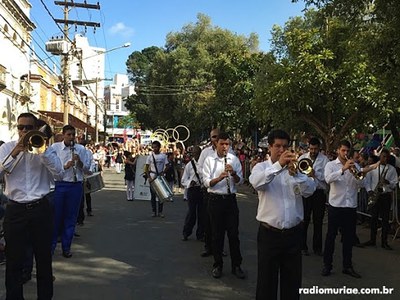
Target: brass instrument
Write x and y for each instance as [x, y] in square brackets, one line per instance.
[304, 166]
[34, 142]
[356, 172]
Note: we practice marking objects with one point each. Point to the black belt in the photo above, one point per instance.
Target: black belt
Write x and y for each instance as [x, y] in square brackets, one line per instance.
[222, 196]
[283, 230]
[27, 205]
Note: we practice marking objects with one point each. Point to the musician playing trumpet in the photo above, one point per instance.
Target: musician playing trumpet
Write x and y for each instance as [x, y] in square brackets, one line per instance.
[380, 184]
[29, 215]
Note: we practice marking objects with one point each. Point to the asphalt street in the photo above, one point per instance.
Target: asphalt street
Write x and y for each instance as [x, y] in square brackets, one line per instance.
[124, 253]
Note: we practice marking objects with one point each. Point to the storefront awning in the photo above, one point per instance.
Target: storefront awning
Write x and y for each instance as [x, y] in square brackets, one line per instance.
[72, 120]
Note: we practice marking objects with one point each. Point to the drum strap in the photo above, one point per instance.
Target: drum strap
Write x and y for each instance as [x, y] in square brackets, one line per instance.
[155, 164]
[195, 171]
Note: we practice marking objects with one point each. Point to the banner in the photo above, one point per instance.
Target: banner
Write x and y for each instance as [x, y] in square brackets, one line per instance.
[142, 186]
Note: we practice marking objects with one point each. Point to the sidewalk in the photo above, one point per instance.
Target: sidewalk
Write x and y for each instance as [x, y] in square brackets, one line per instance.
[123, 253]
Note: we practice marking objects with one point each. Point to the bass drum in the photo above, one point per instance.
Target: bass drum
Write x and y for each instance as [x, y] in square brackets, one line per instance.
[160, 186]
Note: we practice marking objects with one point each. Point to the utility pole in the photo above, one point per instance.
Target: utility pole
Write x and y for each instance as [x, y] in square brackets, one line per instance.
[65, 57]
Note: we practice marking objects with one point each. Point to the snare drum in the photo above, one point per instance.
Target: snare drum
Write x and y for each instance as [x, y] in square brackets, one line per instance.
[93, 183]
[160, 186]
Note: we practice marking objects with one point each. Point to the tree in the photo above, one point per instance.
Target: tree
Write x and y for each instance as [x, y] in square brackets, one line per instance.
[202, 78]
[379, 21]
[316, 75]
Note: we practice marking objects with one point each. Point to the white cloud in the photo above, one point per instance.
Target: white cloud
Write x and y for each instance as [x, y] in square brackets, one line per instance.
[122, 30]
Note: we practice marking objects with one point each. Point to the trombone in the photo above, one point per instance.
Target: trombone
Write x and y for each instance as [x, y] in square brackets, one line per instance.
[34, 142]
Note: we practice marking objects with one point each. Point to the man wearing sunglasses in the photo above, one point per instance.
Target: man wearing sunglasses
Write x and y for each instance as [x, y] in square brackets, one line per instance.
[29, 215]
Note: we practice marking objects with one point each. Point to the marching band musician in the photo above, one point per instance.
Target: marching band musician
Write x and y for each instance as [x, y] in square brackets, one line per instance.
[280, 213]
[156, 164]
[344, 185]
[69, 189]
[29, 215]
[382, 181]
[315, 204]
[222, 171]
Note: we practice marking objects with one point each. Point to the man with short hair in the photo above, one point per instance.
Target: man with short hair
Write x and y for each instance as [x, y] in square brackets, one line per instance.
[315, 204]
[280, 190]
[69, 189]
[28, 221]
[222, 171]
[156, 164]
[380, 184]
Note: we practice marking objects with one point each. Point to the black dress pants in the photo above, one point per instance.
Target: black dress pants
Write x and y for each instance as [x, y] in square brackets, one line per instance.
[344, 218]
[315, 206]
[382, 208]
[153, 202]
[195, 207]
[24, 226]
[224, 216]
[279, 259]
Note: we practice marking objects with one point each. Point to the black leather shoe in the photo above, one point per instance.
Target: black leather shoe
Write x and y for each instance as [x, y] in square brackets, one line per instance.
[326, 271]
[369, 243]
[67, 254]
[387, 247]
[184, 238]
[350, 271]
[90, 214]
[217, 272]
[305, 252]
[206, 253]
[318, 252]
[224, 254]
[76, 234]
[26, 277]
[238, 272]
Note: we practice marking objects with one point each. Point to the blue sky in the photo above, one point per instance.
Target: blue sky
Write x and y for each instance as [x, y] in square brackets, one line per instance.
[146, 23]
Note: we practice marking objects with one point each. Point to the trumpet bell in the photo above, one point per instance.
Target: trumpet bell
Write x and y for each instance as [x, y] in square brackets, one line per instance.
[305, 166]
[35, 142]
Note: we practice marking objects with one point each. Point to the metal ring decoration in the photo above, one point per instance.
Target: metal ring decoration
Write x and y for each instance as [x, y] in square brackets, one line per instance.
[172, 137]
[176, 130]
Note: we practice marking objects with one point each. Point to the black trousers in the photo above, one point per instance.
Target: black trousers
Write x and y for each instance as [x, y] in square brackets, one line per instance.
[224, 216]
[25, 226]
[315, 206]
[81, 215]
[279, 259]
[382, 208]
[153, 202]
[195, 207]
[344, 218]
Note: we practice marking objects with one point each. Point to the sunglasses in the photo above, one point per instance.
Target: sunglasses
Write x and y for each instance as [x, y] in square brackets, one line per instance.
[27, 127]
[214, 136]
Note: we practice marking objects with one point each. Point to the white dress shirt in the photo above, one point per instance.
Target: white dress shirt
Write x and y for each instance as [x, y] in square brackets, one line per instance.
[206, 152]
[343, 188]
[387, 172]
[32, 177]
[65, 154]
[280, 194]
[189, 174]
[214, 166]
[161, 161]
[319, 169]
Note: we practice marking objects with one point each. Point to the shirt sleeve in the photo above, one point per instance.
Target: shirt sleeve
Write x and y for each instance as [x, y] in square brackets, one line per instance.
[53, 163]
[262, 174]
[186, 176]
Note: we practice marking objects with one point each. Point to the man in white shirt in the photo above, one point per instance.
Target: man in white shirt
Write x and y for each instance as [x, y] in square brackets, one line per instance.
[69, 189]
[192, 181]
[315, 204]
[280, 190]
[155, 166]
[222, 171]
[29, 215]
[340, 175]
[380, 184]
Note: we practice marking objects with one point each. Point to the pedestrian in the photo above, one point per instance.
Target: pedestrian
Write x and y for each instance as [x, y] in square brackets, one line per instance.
[222, 172]
[130, 172]
[29, 215]
[68, 189]
[192, 181]
[155, 166]
[280, 190]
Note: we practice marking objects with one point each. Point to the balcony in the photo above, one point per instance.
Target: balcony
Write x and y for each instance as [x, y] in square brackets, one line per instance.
[3, 72]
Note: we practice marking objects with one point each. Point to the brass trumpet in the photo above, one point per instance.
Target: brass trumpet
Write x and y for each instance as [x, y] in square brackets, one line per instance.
[34, 142]
[304, 165]
[356, 172]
